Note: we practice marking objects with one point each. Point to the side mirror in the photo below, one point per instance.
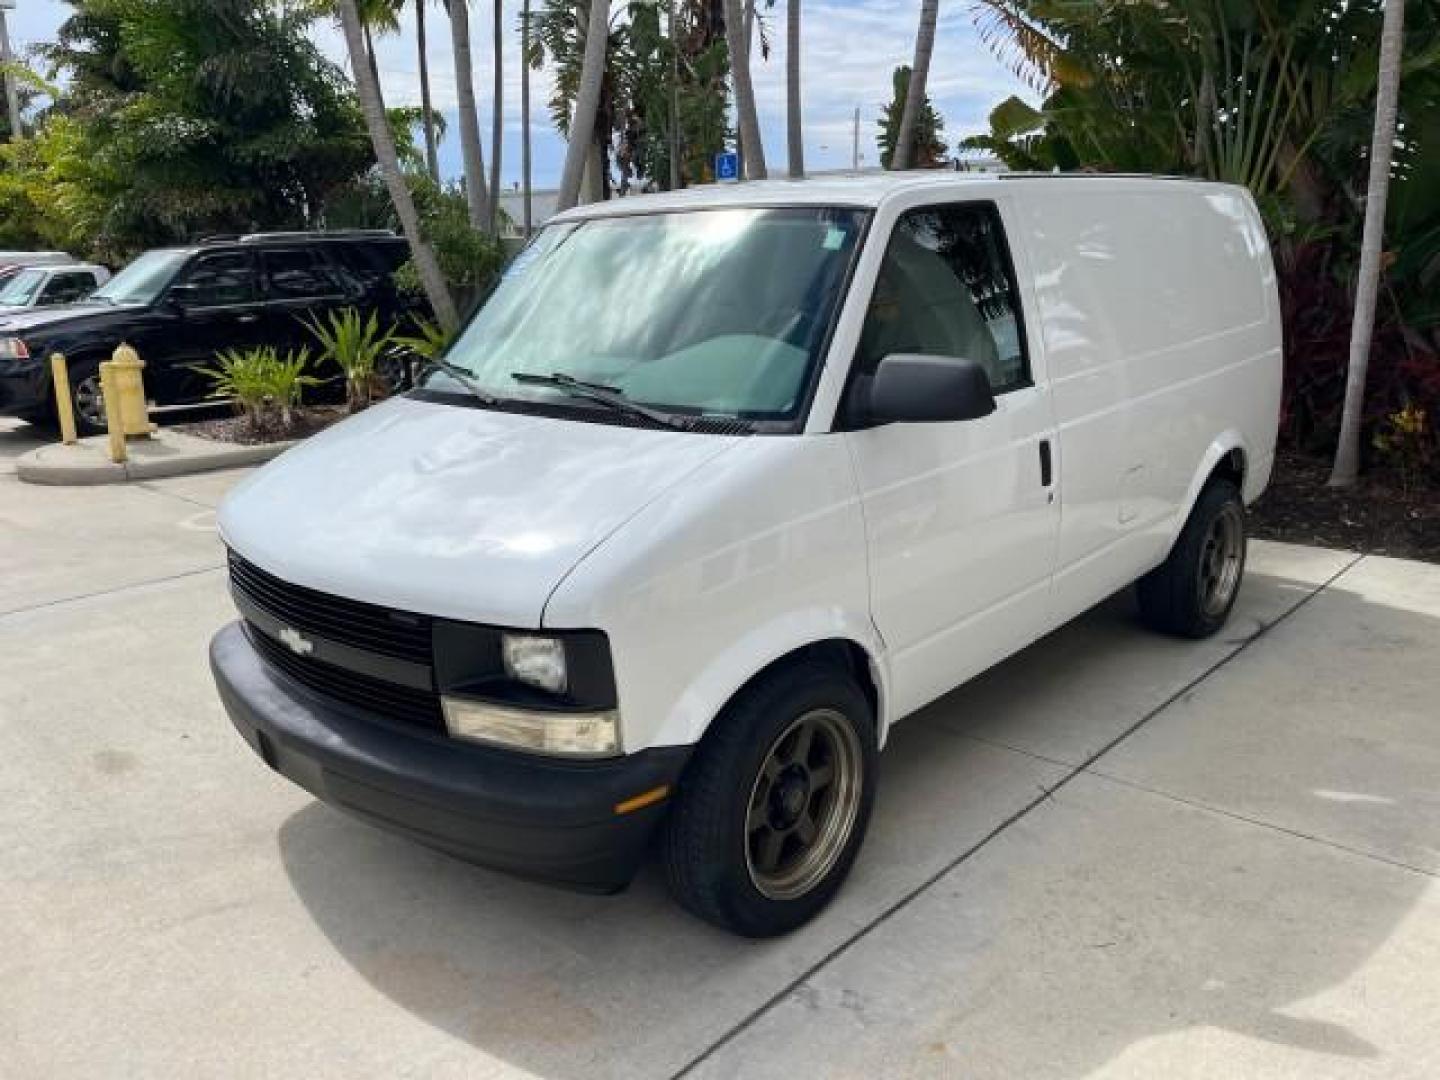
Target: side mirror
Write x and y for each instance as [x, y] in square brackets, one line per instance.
[910, 388]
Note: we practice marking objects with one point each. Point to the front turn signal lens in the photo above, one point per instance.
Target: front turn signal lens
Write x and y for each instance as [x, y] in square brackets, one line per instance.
[561, 734]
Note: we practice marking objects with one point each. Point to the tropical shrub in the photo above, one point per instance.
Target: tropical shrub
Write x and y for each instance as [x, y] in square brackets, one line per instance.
[261, 384]
[355, 344]
[429, 340]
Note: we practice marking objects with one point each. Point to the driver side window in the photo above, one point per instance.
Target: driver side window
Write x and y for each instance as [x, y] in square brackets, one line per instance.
[946, 288]
[221, 279]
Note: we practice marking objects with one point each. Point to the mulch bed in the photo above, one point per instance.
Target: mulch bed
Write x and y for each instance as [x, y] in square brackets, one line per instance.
[1375, 516]
[236, 429]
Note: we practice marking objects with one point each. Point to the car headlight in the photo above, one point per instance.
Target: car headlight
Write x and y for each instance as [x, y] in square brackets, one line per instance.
[12, 348]
[535, 661]
[563, 734]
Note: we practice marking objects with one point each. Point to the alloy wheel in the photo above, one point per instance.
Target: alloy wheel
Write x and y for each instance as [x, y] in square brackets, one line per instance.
[803, 805]
[89, 401]
[1221, 555]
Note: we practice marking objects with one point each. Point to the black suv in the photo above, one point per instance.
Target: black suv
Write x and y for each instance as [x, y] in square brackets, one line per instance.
[181, 306]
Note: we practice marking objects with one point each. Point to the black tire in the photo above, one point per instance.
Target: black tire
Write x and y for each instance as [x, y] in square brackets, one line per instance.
[394, 372]
[85, 399]
[711, 853]
[1191, 593]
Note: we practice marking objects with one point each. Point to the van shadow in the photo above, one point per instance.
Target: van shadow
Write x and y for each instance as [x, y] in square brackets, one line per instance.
[572, 986]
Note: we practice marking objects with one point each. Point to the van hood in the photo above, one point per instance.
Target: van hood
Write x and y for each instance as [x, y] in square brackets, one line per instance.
[450, 510]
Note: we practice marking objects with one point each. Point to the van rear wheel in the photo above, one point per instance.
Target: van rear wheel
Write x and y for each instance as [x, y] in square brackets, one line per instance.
[1191, 593]
[773, 809]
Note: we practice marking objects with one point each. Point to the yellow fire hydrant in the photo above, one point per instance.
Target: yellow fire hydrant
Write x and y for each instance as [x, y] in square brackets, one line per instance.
[123, 388]
[125, 385]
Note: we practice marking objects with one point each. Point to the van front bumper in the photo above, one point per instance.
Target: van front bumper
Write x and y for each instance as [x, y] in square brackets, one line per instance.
[535, 817]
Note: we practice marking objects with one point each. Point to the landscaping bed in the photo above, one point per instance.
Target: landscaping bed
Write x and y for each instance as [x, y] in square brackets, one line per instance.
[1375, 516]
[245, 432]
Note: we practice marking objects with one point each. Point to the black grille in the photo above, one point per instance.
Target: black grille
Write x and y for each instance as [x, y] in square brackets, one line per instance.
[399, 634]
[387, 699]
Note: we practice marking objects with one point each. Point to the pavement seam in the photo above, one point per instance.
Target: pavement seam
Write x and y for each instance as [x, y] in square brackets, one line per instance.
[149, 485]
[1045, 795]
[1285, 829]
[62, 601]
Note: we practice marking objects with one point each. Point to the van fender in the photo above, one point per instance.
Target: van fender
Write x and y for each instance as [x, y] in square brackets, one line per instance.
[1225, 443]
[706, 695]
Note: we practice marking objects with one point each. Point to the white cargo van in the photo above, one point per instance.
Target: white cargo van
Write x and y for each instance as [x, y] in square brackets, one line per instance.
[720, 485]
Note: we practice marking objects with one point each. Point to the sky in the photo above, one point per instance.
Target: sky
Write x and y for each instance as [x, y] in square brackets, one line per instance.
[851, 48]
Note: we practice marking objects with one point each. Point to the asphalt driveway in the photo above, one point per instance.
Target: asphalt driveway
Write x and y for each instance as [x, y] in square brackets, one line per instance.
[1116, 855]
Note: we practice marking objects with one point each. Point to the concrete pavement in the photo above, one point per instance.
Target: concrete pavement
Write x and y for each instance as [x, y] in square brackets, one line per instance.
[1115, 855]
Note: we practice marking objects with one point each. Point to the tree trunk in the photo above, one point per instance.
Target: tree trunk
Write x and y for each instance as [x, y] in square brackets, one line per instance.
[674, 99]
[793, 129]
[587, 102]
[12, 92]
[388, 160]
[752, 148]
[497, 123]
[370, 58]
[525, 181]
[472, 157]
[1392, 40]
[592, 181]
[915, 97]
[432, 149]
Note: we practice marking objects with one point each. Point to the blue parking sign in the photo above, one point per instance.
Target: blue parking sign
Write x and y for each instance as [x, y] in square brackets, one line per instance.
[727, 166]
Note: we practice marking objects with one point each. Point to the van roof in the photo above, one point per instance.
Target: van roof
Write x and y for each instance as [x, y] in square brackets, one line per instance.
[867, 189]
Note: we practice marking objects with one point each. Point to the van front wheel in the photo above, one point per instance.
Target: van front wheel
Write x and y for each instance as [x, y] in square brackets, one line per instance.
[772, 811]
[1191, 593]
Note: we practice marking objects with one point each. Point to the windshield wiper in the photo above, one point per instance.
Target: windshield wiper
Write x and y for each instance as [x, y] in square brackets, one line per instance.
[608, 396]
[463, 377]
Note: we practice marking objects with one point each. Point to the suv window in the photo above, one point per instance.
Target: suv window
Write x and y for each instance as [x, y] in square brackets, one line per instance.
[297, 273]
[66, 288]
[226, 277]
[946, 288]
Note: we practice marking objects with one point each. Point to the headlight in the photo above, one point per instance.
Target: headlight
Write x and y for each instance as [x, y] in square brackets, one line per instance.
[12, 348]
[535, 661]
[566, 734]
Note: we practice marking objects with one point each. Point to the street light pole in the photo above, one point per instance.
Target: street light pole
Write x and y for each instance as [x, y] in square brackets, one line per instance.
[12, 93]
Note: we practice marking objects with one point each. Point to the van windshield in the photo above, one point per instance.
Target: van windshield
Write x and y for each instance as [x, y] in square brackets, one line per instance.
[715, 312]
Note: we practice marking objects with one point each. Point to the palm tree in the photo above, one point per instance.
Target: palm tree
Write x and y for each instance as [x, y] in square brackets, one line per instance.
[432, 153]
[919, 73]
[752, 150]
[383, 139]
[497, 124]
[587, 100]
[525, 113]
[1392, 39]
[472, 156]
[794, 136]
[674, 98]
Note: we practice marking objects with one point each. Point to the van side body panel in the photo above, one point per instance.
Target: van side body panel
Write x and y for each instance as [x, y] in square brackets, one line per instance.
[749, 560]
[1157, 304]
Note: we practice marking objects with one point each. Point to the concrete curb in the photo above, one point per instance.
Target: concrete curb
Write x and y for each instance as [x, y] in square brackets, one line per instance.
[167, 453]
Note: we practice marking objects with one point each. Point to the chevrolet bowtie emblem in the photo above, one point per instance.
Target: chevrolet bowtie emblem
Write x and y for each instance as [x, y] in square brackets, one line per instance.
[296, 642]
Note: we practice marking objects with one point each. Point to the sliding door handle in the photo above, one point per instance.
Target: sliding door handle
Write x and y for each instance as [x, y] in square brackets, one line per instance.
[1046, 470]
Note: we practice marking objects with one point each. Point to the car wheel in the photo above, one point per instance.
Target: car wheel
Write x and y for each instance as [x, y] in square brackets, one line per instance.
[87, 399]
[392, 372]
[1191, 593]
[773, 808]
